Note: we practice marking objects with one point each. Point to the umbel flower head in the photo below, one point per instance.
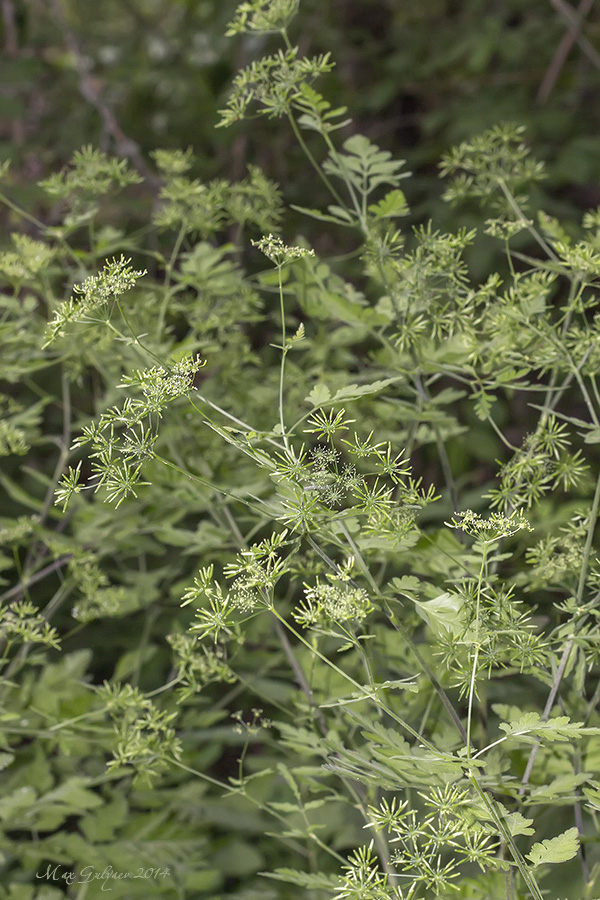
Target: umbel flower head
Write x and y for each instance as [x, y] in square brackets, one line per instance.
[488, 530]
[262, 16]
[278, 252]
[334, 600]
[96, 291]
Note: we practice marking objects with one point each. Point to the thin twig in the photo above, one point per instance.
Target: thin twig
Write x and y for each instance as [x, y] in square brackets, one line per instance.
[578, 815]
[442, 452]
[570, 15]
[37, 576]
[562, 52]
[90, 91]
[65, 447]
[300, 676]
[547, 710]
[9, 21]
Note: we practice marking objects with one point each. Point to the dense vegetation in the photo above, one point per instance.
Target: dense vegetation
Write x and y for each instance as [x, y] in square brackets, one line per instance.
[299, 452]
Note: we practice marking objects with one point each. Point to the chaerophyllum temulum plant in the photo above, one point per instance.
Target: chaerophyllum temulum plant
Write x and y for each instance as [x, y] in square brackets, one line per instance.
[351, 504]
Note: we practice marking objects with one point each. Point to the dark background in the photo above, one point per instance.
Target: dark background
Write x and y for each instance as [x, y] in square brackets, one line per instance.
[131, 75]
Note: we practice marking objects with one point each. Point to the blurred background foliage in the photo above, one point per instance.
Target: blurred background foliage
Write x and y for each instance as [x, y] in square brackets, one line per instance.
[131, 75]
[128, 76]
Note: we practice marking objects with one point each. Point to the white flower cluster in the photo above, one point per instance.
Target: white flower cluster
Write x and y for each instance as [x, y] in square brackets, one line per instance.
[278, 252]
[335, 600]
[492, 529]
[116, 277]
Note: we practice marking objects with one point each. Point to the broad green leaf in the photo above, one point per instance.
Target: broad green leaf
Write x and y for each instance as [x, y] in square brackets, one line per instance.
[238, 858]
[518, 824]
[133, 660]
[16, 802]
[555, 850]
[408, 584]
[341, 214]
[102, 824]
[295, 807]
[73, 793]
[5, 760]
[319, 395]
[19, 495]
[355, 391]
[563, 789]
[443, 614]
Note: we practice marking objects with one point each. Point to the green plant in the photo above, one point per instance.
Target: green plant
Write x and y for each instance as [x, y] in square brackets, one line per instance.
[305, 518]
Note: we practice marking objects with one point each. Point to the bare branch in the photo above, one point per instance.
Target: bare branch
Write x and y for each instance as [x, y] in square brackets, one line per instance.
[571, 16]
[89, 90]
[562, 51]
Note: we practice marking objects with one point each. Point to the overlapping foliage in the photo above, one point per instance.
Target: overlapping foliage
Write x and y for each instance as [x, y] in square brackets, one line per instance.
[299, 565]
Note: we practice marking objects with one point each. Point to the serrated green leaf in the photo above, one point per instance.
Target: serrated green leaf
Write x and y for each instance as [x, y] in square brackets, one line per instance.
[355, 391]
[364, 166]
[518, 824]
[555, 850]
[407, 584]
[393, 204]
[593, 796]
[558, 729]
[562, 787]
[483, 403]
[319, 395]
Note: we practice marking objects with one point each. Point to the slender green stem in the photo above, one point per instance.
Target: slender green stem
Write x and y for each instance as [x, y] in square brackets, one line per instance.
[168, 276]
[556, 681]
[137, 342]
[40, 225]
[368, 696]
[208, 484]
[21, 212]
[408, 641]
[525, 221]
[313, 162]
[443, 696]
[506, 442]
[506, 835]
[298, 134]
[284, 350]
[76, 719]
[357, 207]
[477, 648]
[231, 789]
[588, 543]
[304, 684]
[441, 448]
[233, 418]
